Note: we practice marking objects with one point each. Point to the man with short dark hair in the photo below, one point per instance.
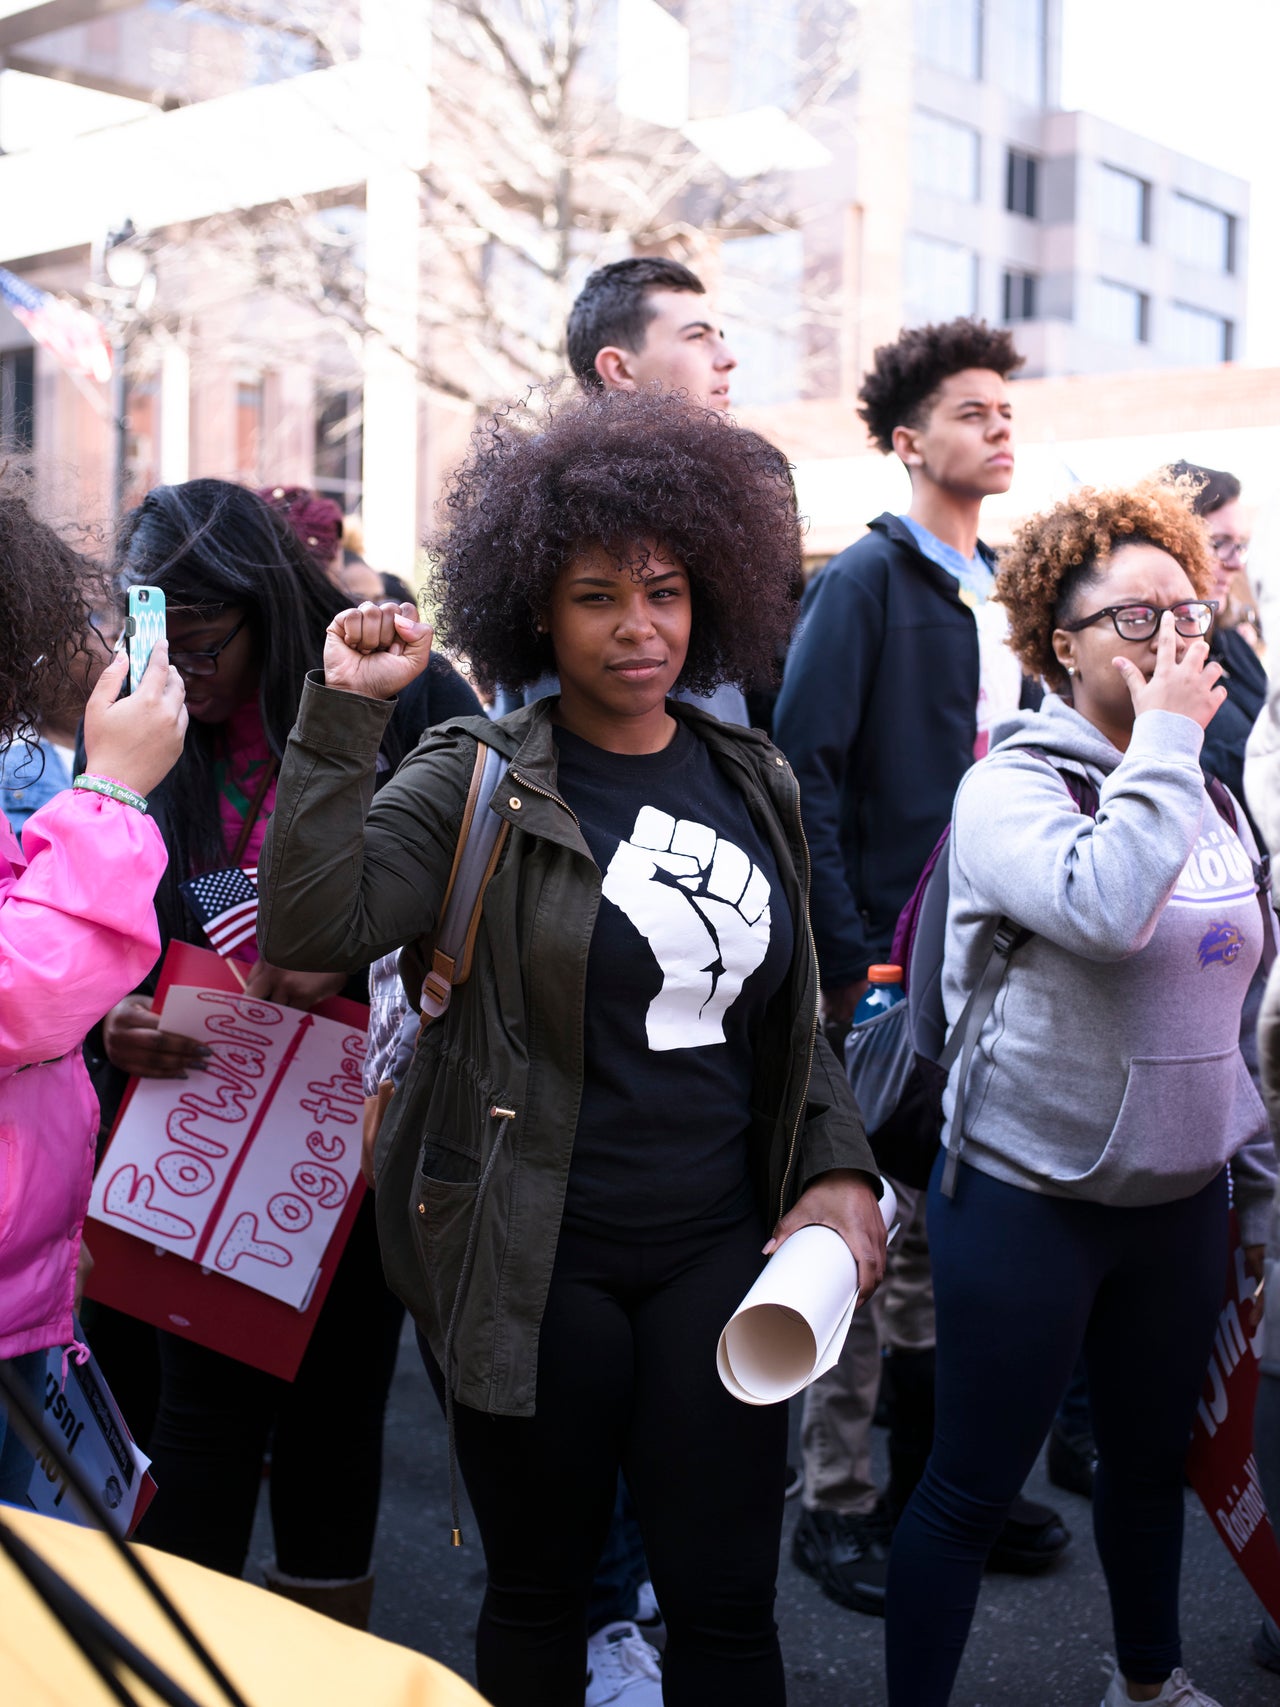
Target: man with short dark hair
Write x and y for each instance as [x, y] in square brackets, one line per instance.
[638, 324]
[893, 681]
[634, 324]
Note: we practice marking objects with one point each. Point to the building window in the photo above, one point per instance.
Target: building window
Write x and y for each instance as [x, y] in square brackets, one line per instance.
[1124, 205]
[1022, 184]
[249, 423]
[762, 288]
[1020, 295]
[1198, 337]
[340, 448]
[18, 398]
[940, 279]
[949, 35]
[764, 53]
[1202, 234]
[944, 156]
[1120, 312]
[1016, 50]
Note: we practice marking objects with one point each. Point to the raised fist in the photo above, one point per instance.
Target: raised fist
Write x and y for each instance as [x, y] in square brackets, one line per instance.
[703, 908]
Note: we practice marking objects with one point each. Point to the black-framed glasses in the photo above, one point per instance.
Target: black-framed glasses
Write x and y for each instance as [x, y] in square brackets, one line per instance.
[205, 663]
[1192, 619]
[1225, 547]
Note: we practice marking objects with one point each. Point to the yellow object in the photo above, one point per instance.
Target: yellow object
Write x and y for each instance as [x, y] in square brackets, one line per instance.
[276, 1653]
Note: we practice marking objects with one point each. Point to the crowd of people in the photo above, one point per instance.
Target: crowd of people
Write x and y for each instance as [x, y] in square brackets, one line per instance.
[718, 788]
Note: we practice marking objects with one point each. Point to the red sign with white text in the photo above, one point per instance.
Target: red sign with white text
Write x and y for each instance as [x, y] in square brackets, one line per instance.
[1221, 1466]
[225, 1199]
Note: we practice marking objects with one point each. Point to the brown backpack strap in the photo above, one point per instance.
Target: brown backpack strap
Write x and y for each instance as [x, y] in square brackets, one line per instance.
[480, 843]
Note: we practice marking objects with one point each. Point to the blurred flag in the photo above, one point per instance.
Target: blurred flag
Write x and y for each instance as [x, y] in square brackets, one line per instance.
[71, 336]
[224, 905]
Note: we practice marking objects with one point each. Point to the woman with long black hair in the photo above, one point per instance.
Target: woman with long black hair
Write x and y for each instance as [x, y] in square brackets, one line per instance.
[247, 614]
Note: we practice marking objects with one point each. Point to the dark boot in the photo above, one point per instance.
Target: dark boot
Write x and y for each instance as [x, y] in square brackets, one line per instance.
[348, 1599]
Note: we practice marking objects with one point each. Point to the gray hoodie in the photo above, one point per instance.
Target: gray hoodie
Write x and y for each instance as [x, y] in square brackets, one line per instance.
[1109, 1068]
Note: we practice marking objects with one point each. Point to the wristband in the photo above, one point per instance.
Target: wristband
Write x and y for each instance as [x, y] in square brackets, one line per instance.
[113, 790]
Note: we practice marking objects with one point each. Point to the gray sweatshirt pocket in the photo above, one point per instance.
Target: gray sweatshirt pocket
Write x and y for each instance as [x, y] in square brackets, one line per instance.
[1183, 1117]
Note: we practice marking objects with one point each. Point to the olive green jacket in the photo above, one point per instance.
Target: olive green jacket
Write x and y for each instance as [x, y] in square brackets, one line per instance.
[469, 1202]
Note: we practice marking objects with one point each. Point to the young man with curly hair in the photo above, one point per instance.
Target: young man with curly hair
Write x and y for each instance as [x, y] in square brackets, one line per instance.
[895, 676]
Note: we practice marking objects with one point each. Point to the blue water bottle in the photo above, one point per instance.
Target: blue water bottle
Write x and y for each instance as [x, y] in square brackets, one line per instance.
[886, 989]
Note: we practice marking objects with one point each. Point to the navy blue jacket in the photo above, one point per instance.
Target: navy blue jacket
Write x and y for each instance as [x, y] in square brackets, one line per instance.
[1245, 678]
[878, 716]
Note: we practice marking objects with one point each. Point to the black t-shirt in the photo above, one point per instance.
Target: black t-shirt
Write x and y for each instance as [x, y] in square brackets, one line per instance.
[692, 939]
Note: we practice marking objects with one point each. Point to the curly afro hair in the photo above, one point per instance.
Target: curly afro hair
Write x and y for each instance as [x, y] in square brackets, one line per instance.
[618, 469]
[905, 375]
[46, 591]
[1058, 554]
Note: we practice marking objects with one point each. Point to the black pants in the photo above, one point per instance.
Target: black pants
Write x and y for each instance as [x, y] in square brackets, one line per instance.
[325, 1427]
[1021, 1283]
[627, 1378]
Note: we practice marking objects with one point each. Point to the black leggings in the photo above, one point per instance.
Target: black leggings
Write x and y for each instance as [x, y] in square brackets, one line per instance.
[627, 1377]
[217, 1415]
[1021, 1282]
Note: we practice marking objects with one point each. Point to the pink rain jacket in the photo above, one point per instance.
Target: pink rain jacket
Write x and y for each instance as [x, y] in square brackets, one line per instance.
[77, 933]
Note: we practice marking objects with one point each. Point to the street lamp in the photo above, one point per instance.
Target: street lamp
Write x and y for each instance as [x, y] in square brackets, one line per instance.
[127, 293]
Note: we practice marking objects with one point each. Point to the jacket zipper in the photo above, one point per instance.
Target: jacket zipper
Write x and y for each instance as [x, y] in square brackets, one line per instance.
[793, 807]
[795, 1130]
[546, 793]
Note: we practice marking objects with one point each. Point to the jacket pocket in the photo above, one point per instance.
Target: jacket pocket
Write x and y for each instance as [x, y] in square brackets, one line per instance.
[444, 1202]
[1182, 1118]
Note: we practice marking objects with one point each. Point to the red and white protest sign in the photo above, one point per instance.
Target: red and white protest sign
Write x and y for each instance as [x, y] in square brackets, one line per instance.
[225, 1199]
[1221, 1465]
[245, 1165]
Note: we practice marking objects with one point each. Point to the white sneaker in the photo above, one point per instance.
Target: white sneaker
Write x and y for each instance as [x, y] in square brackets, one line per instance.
[649, 1620]
[621, 1666]
[1178, 1691]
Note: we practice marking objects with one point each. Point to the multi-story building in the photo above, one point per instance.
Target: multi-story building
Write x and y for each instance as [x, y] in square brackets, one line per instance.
[349, 263]
[958, 186]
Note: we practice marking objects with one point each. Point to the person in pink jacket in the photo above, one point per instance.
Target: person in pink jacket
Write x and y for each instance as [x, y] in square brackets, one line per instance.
[77, 931]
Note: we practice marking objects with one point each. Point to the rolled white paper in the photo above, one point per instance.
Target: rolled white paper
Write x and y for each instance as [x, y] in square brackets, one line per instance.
[791, 1326]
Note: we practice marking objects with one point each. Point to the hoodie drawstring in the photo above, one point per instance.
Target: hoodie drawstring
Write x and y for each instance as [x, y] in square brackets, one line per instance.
[505, 1116]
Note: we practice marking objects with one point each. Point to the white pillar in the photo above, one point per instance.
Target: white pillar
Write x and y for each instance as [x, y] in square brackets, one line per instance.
[175, 414]
[401, 36]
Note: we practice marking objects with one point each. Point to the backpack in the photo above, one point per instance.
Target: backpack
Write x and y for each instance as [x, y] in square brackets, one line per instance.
[898, 1062]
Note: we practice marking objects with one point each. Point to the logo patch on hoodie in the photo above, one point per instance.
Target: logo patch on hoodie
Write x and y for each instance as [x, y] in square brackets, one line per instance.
[1220, 945]
[1219, 872]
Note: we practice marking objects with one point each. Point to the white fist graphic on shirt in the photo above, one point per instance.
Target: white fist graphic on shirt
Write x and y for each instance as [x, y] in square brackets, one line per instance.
[703, 908]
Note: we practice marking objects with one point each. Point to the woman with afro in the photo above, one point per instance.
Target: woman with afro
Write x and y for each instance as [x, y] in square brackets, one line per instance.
[628, 1098]
[1081, 1201]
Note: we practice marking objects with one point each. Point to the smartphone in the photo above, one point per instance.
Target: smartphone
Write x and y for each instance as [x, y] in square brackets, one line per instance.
[143, 627]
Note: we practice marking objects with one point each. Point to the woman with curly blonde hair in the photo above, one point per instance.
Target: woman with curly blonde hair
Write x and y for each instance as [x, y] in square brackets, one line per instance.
[1081, 1200]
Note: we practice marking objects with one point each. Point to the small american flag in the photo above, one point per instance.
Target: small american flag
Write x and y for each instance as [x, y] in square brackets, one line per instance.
[70, 334]
[224, 905]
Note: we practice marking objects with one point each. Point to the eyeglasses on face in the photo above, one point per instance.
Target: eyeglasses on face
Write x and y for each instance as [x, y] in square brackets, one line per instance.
[205, 663]
[1192, 619]
[1226, 548]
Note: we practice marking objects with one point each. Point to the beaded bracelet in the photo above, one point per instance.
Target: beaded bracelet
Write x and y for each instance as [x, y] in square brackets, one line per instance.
[113, 790]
